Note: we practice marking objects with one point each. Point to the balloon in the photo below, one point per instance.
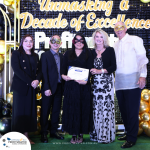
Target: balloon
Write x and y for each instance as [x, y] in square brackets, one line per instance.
[2, 47]
[38, 110]
[1, 59]
[145, 1]
[144, 125]
[145, 96]
[9, 98]
[10, 9]
[144, 107]
[1, 68]
[147, 131]
[38, 119]
[1, 33]
[38, 96]
[140, 131]
[6, 112]
[7, 2]
[5, 124]
[145, 91]
[145, 116]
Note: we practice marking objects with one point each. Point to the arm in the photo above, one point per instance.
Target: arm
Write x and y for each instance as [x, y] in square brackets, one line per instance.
[44, 65]
[15, 63]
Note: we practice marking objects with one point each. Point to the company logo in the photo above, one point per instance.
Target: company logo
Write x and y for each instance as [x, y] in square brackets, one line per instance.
[14, 141]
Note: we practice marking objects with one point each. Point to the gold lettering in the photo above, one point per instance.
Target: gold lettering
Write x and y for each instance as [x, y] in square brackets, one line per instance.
[147, 24]
[64, 6]
[142, 23]
[89, 19]
[109, 8]
[35, 22]
[41, 23]
[78, 26]
[113, 22]
[128, 23]
[81, 7]
[89, 5]
[74, 6]
[24, 16]
[135, 23]
[124, 5]
[100, 21]
[102, 5]
[107, 20]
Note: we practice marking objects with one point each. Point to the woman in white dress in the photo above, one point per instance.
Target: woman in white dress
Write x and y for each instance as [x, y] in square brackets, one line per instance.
[103, 89]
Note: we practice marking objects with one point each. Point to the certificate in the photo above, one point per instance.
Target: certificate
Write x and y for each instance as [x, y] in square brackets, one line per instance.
[77, 73]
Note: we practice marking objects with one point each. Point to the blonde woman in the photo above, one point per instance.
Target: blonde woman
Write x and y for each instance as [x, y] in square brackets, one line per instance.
[103, 89]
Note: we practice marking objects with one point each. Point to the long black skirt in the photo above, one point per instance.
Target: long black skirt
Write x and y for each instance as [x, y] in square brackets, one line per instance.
[77, 108]
[24, 112]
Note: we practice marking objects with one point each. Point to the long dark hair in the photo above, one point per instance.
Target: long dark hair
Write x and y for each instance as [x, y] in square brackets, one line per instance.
[21, 50]
[72, 55]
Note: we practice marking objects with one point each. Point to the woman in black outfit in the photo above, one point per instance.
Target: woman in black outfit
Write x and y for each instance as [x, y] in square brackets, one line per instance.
[103, 89]
[27, 75]
[77, 103]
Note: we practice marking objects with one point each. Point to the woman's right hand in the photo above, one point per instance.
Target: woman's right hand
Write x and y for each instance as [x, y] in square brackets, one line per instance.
[66, 78]
[94, 71]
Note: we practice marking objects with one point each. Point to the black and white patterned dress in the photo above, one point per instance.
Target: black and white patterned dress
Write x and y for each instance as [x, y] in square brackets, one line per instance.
[103, 106]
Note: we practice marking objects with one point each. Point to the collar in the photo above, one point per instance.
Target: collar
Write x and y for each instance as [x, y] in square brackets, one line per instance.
[125, 37]
[54, 53]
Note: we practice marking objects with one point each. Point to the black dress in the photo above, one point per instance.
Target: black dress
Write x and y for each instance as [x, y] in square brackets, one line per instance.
[24, 113]
[77, 103]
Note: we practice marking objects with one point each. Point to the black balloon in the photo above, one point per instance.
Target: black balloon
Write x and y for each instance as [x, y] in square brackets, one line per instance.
[1, 33]
[5, 124]
[6, 105]
[6, 112]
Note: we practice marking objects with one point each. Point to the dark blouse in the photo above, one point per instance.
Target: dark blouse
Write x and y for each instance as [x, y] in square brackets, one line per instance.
[80, 61]
[108, 58]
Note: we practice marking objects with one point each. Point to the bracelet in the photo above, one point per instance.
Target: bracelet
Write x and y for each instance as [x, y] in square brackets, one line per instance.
[102, 70]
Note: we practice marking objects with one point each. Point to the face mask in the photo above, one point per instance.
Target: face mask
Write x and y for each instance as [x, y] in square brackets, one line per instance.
[54, 40]
[119, 28]
[76, 41]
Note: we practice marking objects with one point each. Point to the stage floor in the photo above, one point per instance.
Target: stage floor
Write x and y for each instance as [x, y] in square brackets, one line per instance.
[143, 143]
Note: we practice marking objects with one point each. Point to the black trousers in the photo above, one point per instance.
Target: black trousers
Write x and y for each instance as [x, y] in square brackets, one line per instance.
[129, 103]
[47, 101]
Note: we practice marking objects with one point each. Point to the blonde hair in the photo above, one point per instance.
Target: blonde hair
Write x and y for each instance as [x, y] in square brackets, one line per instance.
[104, 35]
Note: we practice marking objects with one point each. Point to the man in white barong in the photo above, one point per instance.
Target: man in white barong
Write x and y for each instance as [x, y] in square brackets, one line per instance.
[129, 80]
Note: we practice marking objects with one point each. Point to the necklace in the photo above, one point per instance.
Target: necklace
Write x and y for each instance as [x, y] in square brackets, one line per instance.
[100, 51]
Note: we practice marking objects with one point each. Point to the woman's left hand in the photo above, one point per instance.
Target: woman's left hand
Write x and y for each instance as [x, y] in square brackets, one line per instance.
[94, 71]
[81, 82]
[34, 83]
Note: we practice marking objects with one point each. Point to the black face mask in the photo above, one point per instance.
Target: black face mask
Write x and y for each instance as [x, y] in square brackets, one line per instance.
[77, 40]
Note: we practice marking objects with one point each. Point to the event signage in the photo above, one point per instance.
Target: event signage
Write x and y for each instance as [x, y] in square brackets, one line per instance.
[90, 20]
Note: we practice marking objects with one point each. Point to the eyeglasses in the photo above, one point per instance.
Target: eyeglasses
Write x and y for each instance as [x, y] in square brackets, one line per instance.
[119, 28]
[54, 40]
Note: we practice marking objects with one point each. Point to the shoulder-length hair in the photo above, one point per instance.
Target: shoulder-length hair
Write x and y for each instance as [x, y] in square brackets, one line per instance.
[85, 47]
[105, 37]
[21, 44]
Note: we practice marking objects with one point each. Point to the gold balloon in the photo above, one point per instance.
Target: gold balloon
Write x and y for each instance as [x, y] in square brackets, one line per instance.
[144, 125]
[13, 5]
[147, 131]
[1, 68]
[140, 131]
[38, 119]
[38, 110]
[145, 96]
[145, 1]
[1, 59]
[144, 107]
[10, 9]
[2, 47]
[38, 96]
[145, 91]
[140, 118]
[7, 2]
[145, 116]
[9, 98]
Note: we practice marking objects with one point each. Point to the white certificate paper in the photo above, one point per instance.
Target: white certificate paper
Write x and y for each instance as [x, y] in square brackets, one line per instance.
[77, 73]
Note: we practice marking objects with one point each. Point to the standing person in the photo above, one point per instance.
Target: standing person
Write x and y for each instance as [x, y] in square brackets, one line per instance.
[103, 89]
[27, 75]
[77, 103]
[129, 80]
[51, 88]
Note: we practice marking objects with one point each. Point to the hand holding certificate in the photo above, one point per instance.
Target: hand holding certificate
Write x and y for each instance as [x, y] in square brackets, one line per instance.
[76, 73]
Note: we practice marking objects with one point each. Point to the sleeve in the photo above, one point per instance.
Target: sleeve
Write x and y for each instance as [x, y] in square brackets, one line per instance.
[44, 65]
[15, 63]
[113, 65]
[39, 72]
[90, 63]
[142, 60]
[64, 68]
